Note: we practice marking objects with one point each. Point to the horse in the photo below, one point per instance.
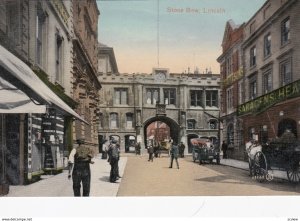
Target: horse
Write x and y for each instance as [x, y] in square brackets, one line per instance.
[252, 147]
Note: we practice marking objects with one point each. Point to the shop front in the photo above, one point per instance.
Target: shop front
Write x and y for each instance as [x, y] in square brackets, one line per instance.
[270, 115]
[25, 103]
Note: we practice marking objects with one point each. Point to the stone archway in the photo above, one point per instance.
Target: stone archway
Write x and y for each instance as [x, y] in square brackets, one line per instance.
[173, 125]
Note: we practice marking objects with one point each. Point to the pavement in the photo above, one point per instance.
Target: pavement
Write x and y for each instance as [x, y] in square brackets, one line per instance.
[244, 165]
[60, 185]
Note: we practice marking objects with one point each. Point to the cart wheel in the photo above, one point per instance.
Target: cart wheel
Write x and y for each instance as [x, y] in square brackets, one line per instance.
[210, 161]
[200, 161]
[293, 172]
[260, 166]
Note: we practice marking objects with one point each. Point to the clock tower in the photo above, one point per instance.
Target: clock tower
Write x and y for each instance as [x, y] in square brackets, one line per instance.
[160, 74]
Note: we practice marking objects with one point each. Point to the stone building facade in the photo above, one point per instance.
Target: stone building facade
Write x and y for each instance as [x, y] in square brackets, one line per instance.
[40, 35]
[187, 103]
[85, 81]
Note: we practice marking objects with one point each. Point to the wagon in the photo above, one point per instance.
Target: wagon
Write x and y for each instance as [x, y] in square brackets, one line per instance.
[203, 150]
[284, 156]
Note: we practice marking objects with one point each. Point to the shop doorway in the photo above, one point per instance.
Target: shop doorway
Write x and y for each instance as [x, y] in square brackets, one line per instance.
[13, 149]
[129, 143]
[287, 124]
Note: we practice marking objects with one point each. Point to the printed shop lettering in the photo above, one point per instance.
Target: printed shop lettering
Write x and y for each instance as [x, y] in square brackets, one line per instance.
[258, 104]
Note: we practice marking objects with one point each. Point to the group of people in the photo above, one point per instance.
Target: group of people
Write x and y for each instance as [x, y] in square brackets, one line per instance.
[81, 157]
[175, 152]
[79, 162]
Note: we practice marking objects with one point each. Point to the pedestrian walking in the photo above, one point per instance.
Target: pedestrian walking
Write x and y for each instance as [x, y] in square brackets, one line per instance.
[79, 163]
[174, 155]
[181, 149]
[150, 152]
[113, 158]
[224, 149]
[138, 148]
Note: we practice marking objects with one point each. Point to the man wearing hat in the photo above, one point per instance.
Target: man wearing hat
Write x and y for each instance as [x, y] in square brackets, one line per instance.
[81, 168]
[113, 158]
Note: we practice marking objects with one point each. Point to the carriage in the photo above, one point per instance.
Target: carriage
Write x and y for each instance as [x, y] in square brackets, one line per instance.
[277, 155]
[203, 150]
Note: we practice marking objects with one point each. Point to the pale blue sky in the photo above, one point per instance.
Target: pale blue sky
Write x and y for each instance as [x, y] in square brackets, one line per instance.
[186, 39]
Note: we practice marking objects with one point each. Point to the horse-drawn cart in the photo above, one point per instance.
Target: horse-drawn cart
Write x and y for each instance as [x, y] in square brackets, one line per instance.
[203, 150]
[284, 156]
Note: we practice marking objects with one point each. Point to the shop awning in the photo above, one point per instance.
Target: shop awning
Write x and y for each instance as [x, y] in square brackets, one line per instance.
[13, 100]
[23, 78]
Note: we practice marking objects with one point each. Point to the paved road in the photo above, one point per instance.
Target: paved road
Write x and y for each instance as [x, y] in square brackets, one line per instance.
[143, 178]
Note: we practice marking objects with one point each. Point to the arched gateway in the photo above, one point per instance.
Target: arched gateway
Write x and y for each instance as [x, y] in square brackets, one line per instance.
[160, 128]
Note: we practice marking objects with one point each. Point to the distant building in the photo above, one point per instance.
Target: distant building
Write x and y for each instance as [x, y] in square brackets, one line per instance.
[187, 103]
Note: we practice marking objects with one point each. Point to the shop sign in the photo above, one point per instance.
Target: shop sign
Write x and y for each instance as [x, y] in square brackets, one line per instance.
[233, 77]
[261, 103]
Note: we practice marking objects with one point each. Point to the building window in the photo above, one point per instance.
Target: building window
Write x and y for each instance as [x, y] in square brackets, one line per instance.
[285, 31]
[152, 95]
[191, 124]
[196, 98]
[13, 22]
[267, 81]
[121, 95]
[267, 45]
[211, 98]
[286, 72]
[252, 56]
[58, 57]
[213, 124]
[129, 120]
[170, 96]
[40, 23]
[240, 85]
[114, 120]
[252, 88]
[228, 66]
[101, 120]
[229, 99]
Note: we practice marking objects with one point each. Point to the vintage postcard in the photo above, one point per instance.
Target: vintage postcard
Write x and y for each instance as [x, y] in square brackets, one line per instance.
[149, 108]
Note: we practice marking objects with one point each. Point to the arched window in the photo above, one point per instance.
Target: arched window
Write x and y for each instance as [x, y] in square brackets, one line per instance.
[287, 124]
[114, 120]
[101, 120]
[213, 124]
[191, 124]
